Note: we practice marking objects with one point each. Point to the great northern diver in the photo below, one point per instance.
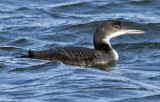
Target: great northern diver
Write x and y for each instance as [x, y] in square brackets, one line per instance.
[80, 56]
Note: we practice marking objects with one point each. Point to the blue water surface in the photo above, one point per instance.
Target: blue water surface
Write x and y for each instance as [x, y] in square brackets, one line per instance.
[44, 24]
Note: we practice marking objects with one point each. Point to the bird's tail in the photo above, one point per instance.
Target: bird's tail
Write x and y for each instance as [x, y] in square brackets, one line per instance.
[30, 55]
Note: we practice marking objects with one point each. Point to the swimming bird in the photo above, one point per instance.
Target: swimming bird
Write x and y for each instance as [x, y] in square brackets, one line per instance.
[81, 56]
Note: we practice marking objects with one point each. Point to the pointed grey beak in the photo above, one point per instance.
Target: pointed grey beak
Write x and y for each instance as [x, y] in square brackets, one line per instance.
[126, 30]
[133, 31]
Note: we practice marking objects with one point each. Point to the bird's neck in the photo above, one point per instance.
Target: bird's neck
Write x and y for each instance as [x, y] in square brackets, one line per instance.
[102, 43]
[103, 46]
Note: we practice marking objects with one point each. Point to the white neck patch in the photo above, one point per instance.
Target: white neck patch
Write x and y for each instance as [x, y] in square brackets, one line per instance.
[114, 53]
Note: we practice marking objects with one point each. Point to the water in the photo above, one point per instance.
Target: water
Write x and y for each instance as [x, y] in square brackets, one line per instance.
[43, 24]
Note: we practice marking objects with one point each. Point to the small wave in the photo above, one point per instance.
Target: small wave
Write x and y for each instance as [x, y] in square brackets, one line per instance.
[22, 9]
[68, 4]
[140, 2]
[4, 47]
[20, 41]
[39, 66]
[130, 46]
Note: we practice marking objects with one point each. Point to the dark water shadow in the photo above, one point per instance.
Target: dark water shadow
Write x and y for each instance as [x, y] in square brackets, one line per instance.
[41, 66]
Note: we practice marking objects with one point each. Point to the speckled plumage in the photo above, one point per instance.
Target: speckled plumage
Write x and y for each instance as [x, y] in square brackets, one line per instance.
[74, 56]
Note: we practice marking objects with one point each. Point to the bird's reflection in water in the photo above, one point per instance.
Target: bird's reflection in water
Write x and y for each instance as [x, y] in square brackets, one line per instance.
[107, 67]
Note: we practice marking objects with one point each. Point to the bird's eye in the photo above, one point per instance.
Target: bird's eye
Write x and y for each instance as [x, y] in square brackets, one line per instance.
[116, 26]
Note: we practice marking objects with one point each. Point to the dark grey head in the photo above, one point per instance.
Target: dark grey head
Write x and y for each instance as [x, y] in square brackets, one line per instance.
[108, 30]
